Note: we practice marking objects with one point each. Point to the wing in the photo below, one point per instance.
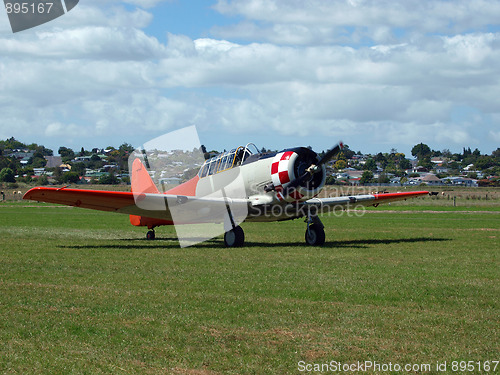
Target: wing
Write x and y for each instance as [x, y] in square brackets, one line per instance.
[323, 204]
[94, 199]
[178, 208]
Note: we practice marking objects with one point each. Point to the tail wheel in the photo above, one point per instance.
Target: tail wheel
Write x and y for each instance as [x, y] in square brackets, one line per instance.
[315, 235]
[234, 237]
[150, 235]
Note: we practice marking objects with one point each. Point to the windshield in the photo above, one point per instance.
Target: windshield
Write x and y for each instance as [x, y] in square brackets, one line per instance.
[226, 160]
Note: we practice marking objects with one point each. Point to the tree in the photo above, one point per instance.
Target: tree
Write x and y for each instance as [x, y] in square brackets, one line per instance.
[37, 160]
[380, 158]
[370, 165]
[206, 154]
[383, 179]
[7, 175]
[43, 180]
[330, 180]
[67, 154]
[108, 179]
[340, 164]
[70, 177]
[421, 151]
[484, 162]
[11, 143]
[366, 178]
[348, 153]
[40, 149]
[78, 168]
[126, 148]
[57, 175]
[447, 153]
[404, 164]
[426, 163]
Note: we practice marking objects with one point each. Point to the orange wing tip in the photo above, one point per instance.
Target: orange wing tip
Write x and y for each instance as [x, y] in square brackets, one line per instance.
[29, 194]
[409, 194]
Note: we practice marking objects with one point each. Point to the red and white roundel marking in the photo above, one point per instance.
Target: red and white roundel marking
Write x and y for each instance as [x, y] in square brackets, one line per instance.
[282, 173]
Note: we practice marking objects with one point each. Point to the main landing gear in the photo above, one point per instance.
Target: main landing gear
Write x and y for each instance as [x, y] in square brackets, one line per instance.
[315, 233]
[234, 237]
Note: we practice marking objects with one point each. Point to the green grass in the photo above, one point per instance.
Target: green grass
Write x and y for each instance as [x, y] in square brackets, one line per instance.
[83, 292]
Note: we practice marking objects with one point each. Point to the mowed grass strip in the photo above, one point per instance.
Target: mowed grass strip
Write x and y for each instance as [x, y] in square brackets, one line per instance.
[83, 292]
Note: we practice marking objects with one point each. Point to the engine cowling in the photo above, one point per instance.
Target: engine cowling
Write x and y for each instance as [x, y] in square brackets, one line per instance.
[288, 165]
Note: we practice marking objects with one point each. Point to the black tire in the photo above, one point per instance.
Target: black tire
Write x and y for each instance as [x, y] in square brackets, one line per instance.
[234, 238]
[315, 235]
[150, 235]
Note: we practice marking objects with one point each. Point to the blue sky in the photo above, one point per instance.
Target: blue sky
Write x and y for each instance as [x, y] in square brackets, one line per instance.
[376, 74]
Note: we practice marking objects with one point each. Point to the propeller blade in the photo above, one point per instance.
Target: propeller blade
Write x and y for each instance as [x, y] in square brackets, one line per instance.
[331, 153]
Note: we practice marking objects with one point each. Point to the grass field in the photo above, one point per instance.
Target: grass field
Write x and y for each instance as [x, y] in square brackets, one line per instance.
[83, 292]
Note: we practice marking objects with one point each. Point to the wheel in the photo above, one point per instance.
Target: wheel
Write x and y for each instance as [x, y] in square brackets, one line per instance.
[234, 238]
[315, 235]
[150, 235]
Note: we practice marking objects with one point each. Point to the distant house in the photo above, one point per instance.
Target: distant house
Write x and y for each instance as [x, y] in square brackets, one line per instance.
[65, 167]
[109, 167]
[354, 180]
[462, 181]
[479, 174]
[359, 157]
[419, 169]
[431, 179]
[353, 173]
[20, 154]
[441, 169]
[38, 171]
[82, 159]
[439, 160]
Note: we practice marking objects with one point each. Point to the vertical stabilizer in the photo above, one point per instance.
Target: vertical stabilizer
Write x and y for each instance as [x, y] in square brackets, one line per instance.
[141, 180]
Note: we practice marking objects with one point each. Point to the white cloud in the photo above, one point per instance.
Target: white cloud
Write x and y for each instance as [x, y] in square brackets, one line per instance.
[57, 129]
[374, 20]
[86, 43]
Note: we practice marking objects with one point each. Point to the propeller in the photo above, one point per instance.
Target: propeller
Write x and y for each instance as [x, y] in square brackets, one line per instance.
[313, 169]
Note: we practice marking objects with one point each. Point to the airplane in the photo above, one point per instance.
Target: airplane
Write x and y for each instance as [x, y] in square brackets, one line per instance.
[252, 186]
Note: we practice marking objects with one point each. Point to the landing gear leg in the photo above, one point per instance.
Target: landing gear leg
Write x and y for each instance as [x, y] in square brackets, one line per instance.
[315, 233]
[150, 235]
[235, 237]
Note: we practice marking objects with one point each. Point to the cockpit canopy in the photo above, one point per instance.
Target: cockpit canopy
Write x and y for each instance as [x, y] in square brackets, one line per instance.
[226, 160]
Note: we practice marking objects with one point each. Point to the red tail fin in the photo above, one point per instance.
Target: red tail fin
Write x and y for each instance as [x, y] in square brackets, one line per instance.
[141, 180]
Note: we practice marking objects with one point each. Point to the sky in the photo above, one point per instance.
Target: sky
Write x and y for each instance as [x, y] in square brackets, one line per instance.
[378, 75]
